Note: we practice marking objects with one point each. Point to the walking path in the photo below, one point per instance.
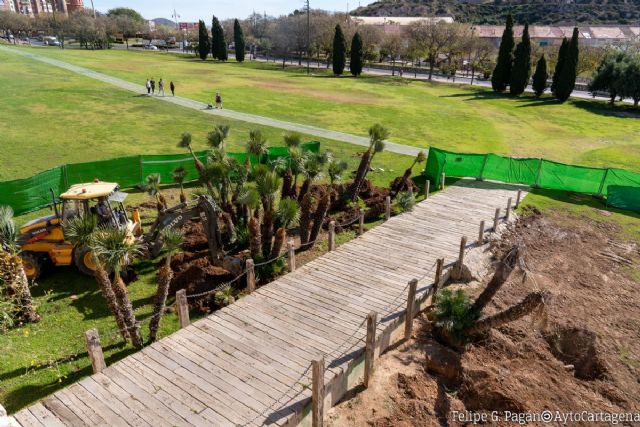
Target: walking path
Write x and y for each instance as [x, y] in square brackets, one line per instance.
[230, 114]
[249, 363]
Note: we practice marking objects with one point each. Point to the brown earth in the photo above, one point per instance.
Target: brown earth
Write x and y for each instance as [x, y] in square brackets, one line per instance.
[582, 355]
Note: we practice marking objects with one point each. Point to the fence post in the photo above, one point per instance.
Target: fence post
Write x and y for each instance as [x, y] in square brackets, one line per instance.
[183, 308]
[92, 339]
[518, 198]
[387, 208]
[317, 389]
[332, 236]
[370, 347]
[443, 177]
[481, 233]
[427, 184]
[292, 256]
[496, 218]
[361, 223]
[411, 299]
[509, 201]
[251, 275]
[439, 268]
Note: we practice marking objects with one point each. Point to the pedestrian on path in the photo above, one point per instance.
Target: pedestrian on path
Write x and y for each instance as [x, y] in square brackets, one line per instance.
[218, 100]
[161, 87]
[173, 88]
[148, 85]
[153, 86]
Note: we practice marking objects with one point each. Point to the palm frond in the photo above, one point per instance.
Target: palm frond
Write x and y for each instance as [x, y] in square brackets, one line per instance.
[179, 174]
[405, 201]
[292, 139]
[377, 132]
[185, 140]
[114, 247]
[8, 231]
[288, 213]
[257, 143]
[79, 229]
[249, 197]
[152, 186]
[335, 169]
[172, 239]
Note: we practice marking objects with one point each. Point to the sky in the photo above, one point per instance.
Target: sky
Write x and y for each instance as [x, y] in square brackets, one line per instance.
[193, 10]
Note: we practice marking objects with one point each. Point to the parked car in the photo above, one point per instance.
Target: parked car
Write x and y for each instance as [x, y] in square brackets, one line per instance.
[150, 47]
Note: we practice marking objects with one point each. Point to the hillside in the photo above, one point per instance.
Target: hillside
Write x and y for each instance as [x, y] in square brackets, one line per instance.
[494, 12]
[164, 21]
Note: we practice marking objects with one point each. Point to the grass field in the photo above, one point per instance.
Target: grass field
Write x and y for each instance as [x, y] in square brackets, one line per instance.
[418, 113]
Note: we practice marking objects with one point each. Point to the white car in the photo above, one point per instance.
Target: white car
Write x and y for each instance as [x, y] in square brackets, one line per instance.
[150, 47]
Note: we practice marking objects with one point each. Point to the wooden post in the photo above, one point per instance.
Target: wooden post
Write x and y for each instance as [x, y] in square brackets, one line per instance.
[317, 390]
[442, 178]
[387, 208]
[508, 209]
[292, 256]
[481, 233]
[496, 218]
[92, 339]
[439, 268]
[251, 276]
[518, 198]
[332, 236]
[427, 184]
[411, 299]
[370, 347]
[460, 263]
[183, 308]
[361, 223]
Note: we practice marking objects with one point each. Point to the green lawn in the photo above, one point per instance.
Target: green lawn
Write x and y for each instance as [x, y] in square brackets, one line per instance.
[418, 113]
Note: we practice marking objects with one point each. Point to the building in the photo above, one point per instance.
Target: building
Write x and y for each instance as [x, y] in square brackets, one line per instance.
[394, 24]
[7, 5]
[39, 7]
[549, 35]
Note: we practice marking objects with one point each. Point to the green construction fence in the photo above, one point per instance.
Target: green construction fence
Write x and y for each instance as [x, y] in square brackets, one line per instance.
[621, 187]
[33, 193]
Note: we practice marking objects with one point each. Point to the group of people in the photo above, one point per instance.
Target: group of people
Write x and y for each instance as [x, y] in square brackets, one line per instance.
[151, 87]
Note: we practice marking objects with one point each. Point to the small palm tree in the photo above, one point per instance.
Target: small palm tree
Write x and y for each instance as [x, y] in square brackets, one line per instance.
[172, 240]
[79, 230]
[335, 169]
[405, 201]
[405, 183]
[185, 142]
[377, 135]
[257, 143]
[250, 198]
[153, 189]
[116, 248]
[217, 136]
[312, 170]
[225, 296]
[292, 139]
[268, 186]
[318, 219]
[288, 214]
[179, 175]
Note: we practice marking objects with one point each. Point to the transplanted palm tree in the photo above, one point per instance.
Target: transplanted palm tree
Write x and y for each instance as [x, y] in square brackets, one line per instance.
[268, 185]
[153, 189]
[405, 183]
[172, 244]
[312, 170]
[218, 135]
[185, 142]
[250, 198]
[80, 230]
[257, 144]
[179, 174]
[377, 135]
[287, 215]
[115, 249]
[335, 169]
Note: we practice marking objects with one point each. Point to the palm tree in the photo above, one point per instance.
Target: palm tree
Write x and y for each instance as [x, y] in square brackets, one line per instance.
[185, 142]
[292, 139]
[115, 248]
[153, 189]
[179, 174]
[335, 169]
[297, 159]
[251, 199]
[268, 185]
[257, 144]
[377, 135]
[288, 214]
[305, 217]
[404, 183]
[217, 136]
[172, 241]
[13, 274]
[312, 169]
[79, 230]
[318, 219]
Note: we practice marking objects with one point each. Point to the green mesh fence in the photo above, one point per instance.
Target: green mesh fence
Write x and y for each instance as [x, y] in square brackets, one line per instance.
[539, 173]
[29, 194]
[624, 197]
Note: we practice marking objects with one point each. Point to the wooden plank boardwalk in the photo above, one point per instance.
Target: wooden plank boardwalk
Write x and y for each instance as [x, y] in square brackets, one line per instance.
[249, 364]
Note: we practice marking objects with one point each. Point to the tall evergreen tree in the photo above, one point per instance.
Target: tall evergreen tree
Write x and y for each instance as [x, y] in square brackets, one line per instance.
[502, 72]
[562, 57]
[567, 77]
[540, 77]
[521, 70]
[357, 55]
[204, 43]
[339, 56]
[238, 38]
[218, 44]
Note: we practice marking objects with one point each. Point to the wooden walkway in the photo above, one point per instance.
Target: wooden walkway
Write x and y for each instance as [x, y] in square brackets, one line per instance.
[249, 364]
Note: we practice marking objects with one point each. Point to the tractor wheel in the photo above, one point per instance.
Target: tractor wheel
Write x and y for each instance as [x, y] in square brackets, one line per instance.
[32, 265]
[83, 258]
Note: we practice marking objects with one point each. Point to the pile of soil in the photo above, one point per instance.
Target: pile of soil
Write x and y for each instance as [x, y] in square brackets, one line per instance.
[372, 196]
[583, 355]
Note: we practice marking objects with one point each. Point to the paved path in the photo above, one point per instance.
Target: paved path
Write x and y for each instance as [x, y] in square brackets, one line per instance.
[230, 114]
[248, 364]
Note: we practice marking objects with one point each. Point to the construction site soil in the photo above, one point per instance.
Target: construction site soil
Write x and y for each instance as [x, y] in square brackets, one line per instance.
[583, 354]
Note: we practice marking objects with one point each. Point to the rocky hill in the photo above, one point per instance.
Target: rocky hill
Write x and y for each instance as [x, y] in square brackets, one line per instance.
[494, 12]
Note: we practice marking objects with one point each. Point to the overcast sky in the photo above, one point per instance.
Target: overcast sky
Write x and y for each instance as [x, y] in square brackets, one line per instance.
[192, 10]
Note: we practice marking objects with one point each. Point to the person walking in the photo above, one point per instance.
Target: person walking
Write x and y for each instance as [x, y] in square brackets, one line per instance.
[148, 86]
[153, 86]
[218, 100]
[173, 88]
[161, 87]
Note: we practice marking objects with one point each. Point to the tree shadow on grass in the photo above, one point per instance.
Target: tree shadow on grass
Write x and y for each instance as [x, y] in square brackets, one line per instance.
[530, 101]
[605, 109]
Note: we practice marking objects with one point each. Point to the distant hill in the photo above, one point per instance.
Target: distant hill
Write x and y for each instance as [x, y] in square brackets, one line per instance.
[625, 12]
[164, 21]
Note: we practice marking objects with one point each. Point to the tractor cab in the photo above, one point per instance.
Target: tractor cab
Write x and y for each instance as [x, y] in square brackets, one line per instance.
[42, 240]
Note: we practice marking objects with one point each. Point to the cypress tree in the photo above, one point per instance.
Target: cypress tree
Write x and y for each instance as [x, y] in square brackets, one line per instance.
[540, 77]
[339, 58]
[502, 72]
[238, 38]
[567, 77]
[218, 44]
[521, 70]
[204, 44]
[562, 53]
[357, 55]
